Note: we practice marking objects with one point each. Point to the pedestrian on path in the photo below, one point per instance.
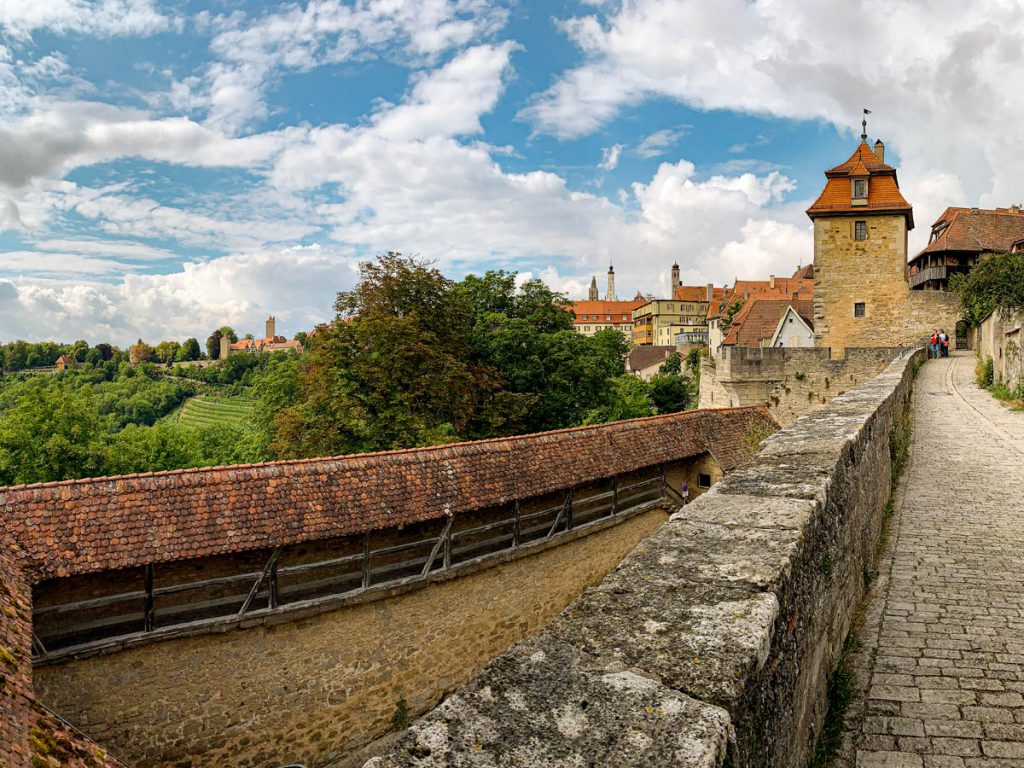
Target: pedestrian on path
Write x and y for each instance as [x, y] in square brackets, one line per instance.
[934, 351]
[943, 343]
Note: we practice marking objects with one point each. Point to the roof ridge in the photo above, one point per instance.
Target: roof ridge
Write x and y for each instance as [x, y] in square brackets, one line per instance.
[361, 456]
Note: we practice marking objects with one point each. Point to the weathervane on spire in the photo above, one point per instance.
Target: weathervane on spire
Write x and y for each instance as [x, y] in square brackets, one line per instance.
[864, 124]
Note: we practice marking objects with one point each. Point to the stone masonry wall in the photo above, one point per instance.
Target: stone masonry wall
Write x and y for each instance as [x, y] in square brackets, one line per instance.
[712, 643]
[790, 382]
[872, 271]
[313, 689]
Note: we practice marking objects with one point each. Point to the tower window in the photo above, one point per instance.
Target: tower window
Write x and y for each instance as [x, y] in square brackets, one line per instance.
[858, 309]
[860, 230]
[860, 188]
[703, 480]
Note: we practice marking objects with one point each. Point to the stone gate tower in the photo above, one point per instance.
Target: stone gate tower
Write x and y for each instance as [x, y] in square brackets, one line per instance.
[861, 221]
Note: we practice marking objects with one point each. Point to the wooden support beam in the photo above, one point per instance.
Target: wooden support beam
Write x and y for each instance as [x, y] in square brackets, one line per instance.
[274, 596]
[256, 585]
[438, 545]
[366, 560]
[615, 494]
[148, 610]
[516, 524]
[568, 510]
[37, 644]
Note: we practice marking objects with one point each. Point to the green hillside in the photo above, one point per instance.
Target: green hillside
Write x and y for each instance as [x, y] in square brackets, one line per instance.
[207, 410]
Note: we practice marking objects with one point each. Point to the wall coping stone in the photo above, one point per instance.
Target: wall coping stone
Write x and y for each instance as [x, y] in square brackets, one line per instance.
[735, 610]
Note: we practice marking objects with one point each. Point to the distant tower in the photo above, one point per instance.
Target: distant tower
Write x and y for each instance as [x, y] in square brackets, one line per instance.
[593, 289]
[225, 346]
[271, 323]
[675, 275]
[611, 284]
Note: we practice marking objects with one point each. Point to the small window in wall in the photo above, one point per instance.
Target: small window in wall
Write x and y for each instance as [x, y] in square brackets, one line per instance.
[858, 309]
[703, 480]
[860, 230]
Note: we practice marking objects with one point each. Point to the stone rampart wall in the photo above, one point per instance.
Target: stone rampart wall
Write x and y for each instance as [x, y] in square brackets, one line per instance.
[713, 641]
[310, 690]
[790, 382]
[999, 337]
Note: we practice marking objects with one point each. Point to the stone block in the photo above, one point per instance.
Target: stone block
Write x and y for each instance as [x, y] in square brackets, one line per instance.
[544, 703]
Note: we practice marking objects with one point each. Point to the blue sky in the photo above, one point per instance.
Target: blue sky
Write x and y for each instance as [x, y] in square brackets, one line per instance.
[166, 168]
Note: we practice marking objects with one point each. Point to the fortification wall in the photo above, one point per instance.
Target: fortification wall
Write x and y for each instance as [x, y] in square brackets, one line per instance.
[789, 382]
[309, 690]
[714, 640]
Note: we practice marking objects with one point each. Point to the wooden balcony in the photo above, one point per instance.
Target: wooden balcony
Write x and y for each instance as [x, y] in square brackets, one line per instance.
[928, 273]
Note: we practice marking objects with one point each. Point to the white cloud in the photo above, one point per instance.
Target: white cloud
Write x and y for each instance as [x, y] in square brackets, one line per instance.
[298, 39]
[297, 285]
[940, 82]
[101, 18]
[62, 136]
[659, 142]
[449, 101]
[610, 157]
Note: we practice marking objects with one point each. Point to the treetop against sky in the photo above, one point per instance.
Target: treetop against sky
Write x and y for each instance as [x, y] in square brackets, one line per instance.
[166, 168]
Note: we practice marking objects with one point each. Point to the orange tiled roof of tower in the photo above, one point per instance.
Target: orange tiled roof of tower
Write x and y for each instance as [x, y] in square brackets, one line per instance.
[883, 194]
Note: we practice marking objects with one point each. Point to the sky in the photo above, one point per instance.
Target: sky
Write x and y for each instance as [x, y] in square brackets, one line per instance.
[170, 167]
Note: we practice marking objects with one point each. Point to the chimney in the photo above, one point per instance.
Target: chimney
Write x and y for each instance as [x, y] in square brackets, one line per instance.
[880, 150]
[225, 346]
[711, 292]
[270, 327]
[771, 281]
[611, 284]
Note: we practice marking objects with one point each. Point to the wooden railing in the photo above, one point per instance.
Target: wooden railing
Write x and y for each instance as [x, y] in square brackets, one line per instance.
[134, 615]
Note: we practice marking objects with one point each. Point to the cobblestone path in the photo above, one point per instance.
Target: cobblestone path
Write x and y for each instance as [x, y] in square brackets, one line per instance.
[941, 664]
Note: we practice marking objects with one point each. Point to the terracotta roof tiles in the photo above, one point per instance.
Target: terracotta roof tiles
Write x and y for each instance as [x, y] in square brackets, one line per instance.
[884, 194]
[83, 526]
[977, 230]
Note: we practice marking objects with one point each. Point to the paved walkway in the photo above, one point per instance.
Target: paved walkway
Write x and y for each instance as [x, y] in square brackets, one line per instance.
[942, 659]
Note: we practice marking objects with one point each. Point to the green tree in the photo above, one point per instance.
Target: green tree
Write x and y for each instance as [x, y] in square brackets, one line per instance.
[213, 345]
[628, 398]
[997, 283]
[392, 372]
[670, 393]
[52, 433]
[189, 350]
[673, 365]
[166, 351]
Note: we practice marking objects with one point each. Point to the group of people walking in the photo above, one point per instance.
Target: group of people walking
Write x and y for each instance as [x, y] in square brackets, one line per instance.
[940, 344]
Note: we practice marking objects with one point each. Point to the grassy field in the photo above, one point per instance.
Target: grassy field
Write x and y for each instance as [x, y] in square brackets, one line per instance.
[206, 410]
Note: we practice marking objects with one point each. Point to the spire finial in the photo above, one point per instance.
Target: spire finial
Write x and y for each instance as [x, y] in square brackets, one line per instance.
[864, 124]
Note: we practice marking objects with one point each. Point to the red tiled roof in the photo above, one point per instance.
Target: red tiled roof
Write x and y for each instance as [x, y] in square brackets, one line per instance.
[695, 292]
[884, 194]
[645, 355]
[977, 230]
[621, 311]
[29, 735]
[82, 526]
[805, 273]
[759, 317]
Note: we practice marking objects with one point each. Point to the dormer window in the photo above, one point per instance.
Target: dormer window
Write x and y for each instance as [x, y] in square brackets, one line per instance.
[860, 189]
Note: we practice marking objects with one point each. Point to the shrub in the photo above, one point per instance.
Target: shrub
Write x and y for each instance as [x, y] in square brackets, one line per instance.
[984, 372]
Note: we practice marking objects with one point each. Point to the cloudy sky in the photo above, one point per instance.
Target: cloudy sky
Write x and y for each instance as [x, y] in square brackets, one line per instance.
[167, 167]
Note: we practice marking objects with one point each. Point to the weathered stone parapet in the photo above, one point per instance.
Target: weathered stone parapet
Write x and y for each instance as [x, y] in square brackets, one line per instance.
[788, 381]
[734, 614]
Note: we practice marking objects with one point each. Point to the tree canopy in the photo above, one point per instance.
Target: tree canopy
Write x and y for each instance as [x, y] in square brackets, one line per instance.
[997, 283]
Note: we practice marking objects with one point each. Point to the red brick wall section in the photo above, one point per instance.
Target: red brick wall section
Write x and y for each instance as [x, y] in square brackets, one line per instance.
[83, 526]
